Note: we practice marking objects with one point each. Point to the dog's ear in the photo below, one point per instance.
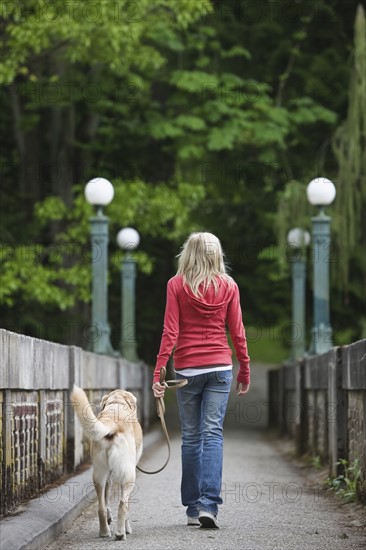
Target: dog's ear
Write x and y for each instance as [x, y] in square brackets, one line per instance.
[130, 400]
[103, 401]
[130, 397]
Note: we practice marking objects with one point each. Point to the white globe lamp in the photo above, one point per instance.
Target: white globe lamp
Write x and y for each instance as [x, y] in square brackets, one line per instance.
[321, 191]
[128, 238]
[298, 237]
[99, 192]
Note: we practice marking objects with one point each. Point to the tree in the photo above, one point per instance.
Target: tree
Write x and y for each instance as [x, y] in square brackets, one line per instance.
[203, 119]
[347, 162]
[350, 152]
[61, 63]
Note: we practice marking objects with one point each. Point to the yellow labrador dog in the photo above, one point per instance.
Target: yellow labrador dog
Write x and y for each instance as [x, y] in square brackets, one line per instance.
[116, 437]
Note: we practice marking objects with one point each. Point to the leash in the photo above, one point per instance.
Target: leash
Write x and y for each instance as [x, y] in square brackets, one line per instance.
[160, 407]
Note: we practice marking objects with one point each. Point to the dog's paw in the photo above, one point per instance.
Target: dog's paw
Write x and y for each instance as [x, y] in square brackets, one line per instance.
[120, 536]
[104, 534]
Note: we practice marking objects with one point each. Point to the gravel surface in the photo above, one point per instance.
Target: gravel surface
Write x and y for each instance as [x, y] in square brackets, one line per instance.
[268, 504]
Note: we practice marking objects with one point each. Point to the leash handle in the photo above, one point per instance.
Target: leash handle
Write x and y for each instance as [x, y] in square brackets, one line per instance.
[171, 384]
[160, 406]
[162, 376]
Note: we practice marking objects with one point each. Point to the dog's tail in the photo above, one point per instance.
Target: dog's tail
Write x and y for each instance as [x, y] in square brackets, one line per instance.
[93, 428]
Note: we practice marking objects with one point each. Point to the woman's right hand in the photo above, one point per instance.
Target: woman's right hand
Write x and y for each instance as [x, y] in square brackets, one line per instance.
[158, 390]
[241, 388]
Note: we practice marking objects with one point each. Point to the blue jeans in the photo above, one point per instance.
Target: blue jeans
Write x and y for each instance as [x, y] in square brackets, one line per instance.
[202, 406]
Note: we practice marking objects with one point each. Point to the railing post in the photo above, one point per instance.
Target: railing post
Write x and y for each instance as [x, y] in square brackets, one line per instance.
[337, 414]
[301, 432]
[304, 415]
[8, 497]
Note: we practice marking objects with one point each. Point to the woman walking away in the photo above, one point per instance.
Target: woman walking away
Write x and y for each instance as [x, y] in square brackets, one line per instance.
[201, 300]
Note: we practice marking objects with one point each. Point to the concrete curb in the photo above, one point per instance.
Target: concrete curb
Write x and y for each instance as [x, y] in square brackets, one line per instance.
[46, 516]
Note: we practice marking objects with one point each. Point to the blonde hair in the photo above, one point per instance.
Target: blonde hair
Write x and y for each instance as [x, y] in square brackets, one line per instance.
[201, 261]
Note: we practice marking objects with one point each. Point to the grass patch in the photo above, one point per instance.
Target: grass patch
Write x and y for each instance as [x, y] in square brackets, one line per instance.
[265, 345]
[346, 484]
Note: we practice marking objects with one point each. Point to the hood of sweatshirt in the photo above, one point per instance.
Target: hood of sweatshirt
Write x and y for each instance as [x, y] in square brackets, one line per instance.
[209, 303]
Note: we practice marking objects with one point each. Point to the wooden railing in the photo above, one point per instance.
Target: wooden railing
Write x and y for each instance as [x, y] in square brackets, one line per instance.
[320, 401]
[40, 437]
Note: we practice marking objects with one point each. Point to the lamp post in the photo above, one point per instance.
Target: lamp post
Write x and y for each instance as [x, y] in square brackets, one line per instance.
[321, 192]
[298, 239]
[99, 192]
[128, 239]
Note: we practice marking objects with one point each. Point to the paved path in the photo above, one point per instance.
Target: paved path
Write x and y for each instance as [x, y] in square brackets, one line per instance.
[268, 504]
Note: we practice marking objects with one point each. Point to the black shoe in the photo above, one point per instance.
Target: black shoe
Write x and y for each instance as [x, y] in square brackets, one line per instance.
[208, 520]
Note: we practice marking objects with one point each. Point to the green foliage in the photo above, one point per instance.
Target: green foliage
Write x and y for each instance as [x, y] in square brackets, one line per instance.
[203, 117]
[266, 344]
[51, 209]
[292, 204]
[350, 151]
[32, 273]
[348, 172]
[304, 111]
[316, 462]
[346, 485]
[193, 81]
[107, 34]
[58, 274]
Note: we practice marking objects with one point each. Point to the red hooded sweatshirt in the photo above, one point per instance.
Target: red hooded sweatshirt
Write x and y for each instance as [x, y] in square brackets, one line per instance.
[197, 327]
